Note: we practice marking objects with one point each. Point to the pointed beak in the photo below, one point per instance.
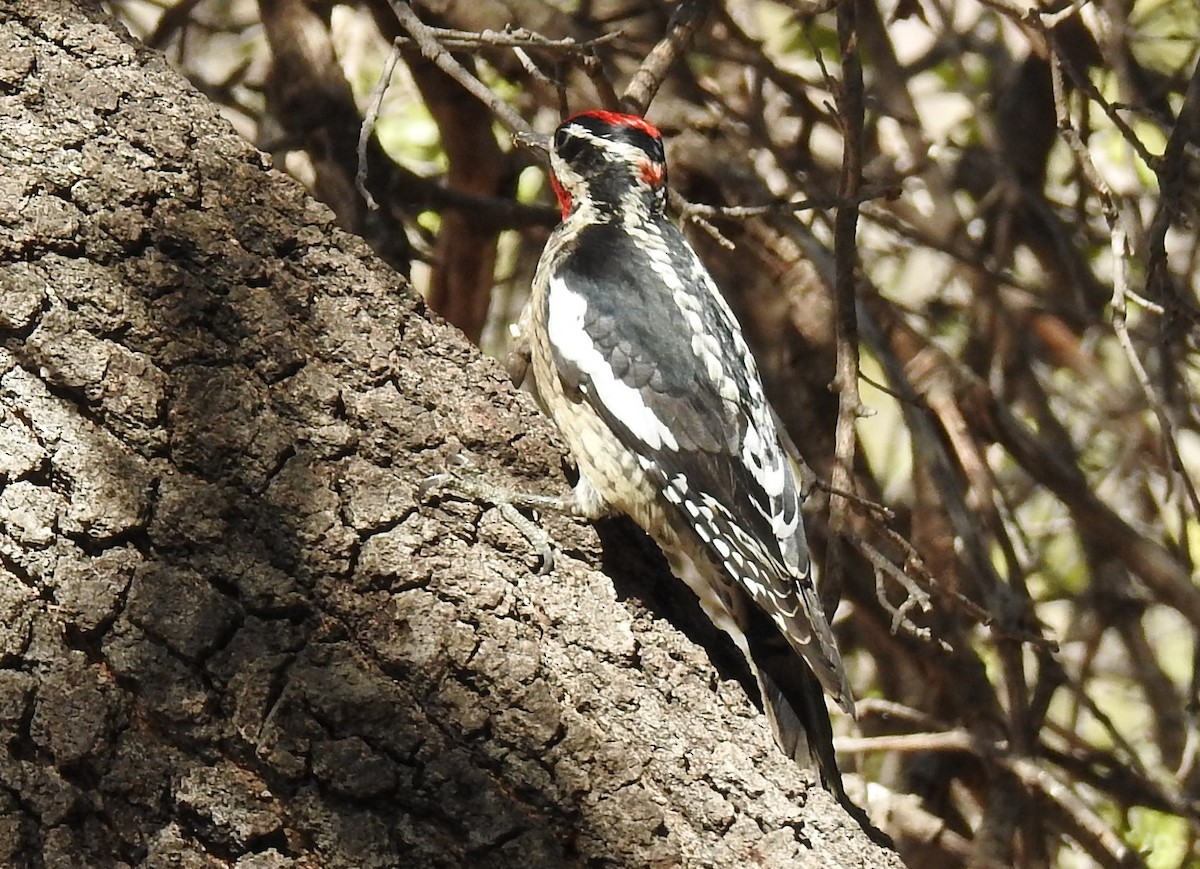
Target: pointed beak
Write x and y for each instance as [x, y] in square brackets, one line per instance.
[533, 142]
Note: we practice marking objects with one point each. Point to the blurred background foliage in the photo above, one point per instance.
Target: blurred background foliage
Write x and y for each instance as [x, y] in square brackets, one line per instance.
[1021, 620]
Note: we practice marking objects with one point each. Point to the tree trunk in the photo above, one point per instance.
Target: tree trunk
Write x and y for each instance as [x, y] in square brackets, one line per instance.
[230, 631]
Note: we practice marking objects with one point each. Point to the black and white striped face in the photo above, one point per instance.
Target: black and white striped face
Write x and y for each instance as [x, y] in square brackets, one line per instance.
[611, 160]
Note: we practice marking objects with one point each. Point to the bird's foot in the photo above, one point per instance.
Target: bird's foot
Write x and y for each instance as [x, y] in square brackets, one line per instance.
[462, 479]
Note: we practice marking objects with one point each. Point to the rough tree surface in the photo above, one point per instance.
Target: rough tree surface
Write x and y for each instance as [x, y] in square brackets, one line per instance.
[229, 634]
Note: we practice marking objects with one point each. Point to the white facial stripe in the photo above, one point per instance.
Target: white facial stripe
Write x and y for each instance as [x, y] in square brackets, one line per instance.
[562, 170]
[565, 325]
[627, 151]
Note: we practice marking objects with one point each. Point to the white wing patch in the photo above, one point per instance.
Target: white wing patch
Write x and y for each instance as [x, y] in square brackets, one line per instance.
[566, 312]
[760, 452]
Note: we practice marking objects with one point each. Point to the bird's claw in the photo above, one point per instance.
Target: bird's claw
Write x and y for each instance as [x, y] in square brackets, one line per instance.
[454, 481]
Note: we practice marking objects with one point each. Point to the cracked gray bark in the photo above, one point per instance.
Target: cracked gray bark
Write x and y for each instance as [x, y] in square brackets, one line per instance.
[229, 634]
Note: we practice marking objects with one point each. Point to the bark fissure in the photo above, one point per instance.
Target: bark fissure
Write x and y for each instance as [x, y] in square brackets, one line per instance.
[230, 632]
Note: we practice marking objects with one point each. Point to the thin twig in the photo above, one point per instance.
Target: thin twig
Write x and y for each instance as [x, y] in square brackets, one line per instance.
[445, 61]
[885, 513]
[367, 129]
[531, 68]
[916, 596]
[1173, 183]
[1121, 254]
[518, 37]
[1084, 85]
[689, 212]
[1172, 177]
[1044, 23]
[745, 212]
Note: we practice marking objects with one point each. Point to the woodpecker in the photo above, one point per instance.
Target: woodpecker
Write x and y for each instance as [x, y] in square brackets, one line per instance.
[640, 362]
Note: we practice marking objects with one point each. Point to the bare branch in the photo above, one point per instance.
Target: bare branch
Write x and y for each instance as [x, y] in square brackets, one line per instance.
[517, 37]
[845, 248]
[445, 61]
[685, 21]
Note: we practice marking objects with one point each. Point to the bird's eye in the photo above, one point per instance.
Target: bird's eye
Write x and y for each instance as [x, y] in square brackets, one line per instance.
[561, 137]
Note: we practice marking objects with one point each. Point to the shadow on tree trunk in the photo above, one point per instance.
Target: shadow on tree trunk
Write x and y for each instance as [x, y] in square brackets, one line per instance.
[229, 634]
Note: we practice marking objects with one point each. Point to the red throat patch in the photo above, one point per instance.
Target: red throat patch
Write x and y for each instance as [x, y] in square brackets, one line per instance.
[561, 194]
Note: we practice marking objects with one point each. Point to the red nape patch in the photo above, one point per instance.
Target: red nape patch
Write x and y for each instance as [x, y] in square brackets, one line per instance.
[619, 120]
[652, 173]
[561, 194]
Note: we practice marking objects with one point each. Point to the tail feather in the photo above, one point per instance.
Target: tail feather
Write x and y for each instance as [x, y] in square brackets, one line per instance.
[792, 694]
[794, 702]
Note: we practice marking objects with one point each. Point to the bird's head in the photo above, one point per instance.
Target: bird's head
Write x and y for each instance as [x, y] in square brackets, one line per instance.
[615, 162]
